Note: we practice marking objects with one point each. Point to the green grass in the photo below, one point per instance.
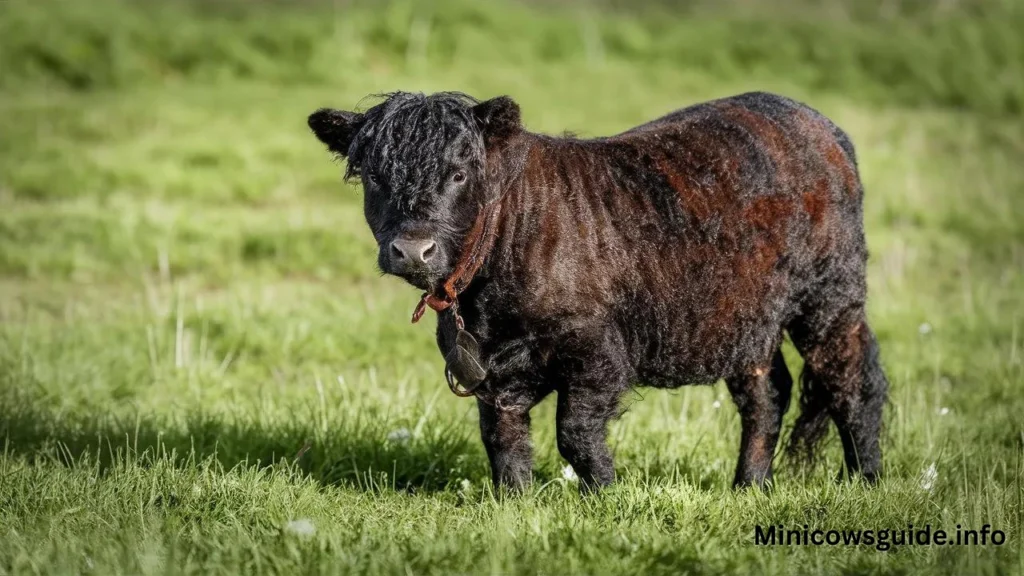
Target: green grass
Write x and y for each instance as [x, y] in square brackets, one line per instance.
[196, 351]
[966, 54]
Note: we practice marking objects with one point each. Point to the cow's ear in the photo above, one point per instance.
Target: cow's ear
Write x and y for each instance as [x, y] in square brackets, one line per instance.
[336, 128]
[498, 118]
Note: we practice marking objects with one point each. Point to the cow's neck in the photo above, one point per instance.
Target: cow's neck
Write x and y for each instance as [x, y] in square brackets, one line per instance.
[537, 261]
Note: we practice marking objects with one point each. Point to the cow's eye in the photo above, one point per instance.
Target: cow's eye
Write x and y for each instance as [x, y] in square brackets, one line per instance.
[370, 179]
[459, 177]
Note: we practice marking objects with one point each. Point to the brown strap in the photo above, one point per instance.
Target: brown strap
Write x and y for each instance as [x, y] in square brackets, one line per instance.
[475, 249]
[481, 237]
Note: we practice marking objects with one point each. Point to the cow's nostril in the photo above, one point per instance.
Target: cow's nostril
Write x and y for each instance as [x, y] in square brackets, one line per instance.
[429, 252]
[396, 252]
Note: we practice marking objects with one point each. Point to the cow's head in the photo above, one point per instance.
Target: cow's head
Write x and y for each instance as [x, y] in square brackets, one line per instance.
[423, 162]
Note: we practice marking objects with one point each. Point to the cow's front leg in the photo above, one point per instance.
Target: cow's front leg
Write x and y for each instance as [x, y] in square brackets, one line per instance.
[582, 421]
[506, 436]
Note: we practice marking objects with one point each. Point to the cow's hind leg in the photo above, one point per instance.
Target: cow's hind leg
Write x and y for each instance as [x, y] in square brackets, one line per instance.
[842, 378]
[762, 398]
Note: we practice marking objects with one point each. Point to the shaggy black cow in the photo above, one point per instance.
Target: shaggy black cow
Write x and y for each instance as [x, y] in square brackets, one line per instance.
[677, 252]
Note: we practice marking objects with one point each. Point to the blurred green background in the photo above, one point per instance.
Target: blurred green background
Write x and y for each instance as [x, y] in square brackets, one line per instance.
[201, 371]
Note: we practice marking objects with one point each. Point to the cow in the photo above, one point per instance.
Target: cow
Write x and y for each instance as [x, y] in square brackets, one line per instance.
[681, 251]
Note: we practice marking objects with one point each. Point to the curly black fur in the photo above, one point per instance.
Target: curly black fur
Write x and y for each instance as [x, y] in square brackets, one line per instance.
[678, 252]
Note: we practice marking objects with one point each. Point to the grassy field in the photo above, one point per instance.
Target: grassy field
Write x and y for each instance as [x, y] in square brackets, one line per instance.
[201, 371]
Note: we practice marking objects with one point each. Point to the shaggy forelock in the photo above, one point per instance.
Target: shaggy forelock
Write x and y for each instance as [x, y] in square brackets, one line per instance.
[404, 139]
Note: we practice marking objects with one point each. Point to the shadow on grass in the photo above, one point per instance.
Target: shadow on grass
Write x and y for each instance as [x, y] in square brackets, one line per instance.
[360, 452]
[365, 451]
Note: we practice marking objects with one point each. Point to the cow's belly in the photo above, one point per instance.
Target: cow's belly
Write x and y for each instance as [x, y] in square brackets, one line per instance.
[722, 332]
